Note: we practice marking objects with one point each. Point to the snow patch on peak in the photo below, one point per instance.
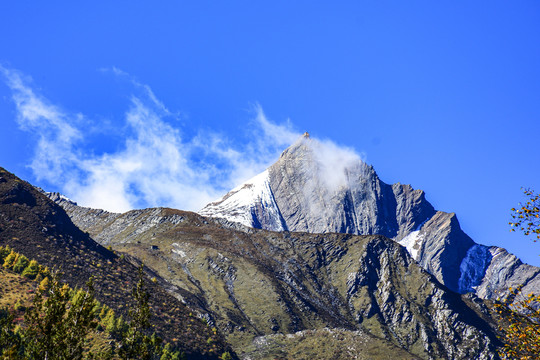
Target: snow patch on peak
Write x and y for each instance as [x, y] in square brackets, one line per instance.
[241, 204]
[413, 243]
[473, 268]
[55, 196]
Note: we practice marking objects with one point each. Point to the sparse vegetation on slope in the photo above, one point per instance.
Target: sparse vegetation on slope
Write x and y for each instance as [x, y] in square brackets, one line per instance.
[323, 344]
[254, 283]
[62, 323]
[39, 229]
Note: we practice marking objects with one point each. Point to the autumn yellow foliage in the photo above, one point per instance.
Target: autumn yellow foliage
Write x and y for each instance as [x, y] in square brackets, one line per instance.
[521, 327]
[521, 313]
[527, 216]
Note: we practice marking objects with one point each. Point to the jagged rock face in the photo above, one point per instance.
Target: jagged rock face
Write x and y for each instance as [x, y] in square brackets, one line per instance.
[301, 193]
[504, 270]
[307, 190]
[440, 247]
[255, 283]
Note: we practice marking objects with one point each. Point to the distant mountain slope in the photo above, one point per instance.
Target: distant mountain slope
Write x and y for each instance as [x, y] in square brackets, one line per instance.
[309, 189]
[35, 226]
[255, 283]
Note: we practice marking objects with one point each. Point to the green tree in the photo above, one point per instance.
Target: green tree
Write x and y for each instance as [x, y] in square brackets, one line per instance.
[110, 322]
[104, 311]
[169, 354]
[44, 285]
[121, 326]
[10, 340]
[57, 328]
[21, 264]
[4, 252]
[10, 259]
[32, 270]
[226, 356]
[60, 320]
[135, 343]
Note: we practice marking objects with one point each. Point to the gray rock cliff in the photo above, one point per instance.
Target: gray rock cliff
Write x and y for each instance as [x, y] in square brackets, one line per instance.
[314, 190]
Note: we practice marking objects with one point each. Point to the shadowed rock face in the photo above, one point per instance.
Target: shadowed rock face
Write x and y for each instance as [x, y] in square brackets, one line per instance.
[254, 284]
[303, 191]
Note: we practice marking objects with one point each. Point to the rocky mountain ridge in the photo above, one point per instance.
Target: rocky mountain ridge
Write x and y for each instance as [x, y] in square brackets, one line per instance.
[308, 190]
[254, 285]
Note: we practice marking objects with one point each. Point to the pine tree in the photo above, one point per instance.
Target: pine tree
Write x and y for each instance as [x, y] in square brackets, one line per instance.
[121, 326]
[56, 327]
[60, 319]
[45, 331]
[110, 322]
[4, 252]
[80, 321]
[226, 356]
[10, 340]
[21, 263]
[135, 344]
[44, 284]
[169, 354]
[10, 259]
[32, 270]
[104, 311]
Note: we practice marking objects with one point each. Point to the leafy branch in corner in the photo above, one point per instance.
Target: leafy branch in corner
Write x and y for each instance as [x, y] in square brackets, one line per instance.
[527, 217]
[520, 313]
[522, 325]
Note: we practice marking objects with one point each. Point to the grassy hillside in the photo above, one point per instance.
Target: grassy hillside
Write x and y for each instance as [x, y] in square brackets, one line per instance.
[35, 226]
[322, 344]
[14, 289]
[257, 283]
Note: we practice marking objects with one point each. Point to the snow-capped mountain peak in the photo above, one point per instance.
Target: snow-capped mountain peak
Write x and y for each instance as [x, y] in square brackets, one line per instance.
[242, 203]
[315, 187]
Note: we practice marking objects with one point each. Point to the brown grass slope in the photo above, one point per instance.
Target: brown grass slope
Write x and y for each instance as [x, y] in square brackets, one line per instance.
[15, 288]
[35, 226]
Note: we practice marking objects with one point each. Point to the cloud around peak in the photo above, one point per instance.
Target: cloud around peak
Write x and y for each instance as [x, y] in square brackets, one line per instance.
[154, 164]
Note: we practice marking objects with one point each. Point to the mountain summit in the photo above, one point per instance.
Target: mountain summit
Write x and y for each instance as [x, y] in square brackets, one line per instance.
[319, 188]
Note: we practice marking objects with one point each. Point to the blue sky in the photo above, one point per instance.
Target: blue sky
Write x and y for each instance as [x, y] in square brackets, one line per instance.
[104, 100]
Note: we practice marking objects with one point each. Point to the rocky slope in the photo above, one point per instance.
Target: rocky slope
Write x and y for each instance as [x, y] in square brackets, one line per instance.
[312, 189]
[254, 285]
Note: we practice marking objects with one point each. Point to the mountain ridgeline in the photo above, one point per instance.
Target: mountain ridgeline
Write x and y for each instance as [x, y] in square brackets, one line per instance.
[255, 284]
[313, 189]
[303, 261]
[346, 296]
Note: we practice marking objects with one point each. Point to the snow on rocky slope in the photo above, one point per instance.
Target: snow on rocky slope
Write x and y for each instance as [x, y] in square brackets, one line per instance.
[247, 202]
[316, 188]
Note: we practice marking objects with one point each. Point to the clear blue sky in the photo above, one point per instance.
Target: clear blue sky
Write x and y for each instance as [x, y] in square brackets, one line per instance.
[444, 96]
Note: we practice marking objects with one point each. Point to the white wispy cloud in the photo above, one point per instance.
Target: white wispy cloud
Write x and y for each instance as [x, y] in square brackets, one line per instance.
[154, 166]
[45, 121]
[336, 163]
